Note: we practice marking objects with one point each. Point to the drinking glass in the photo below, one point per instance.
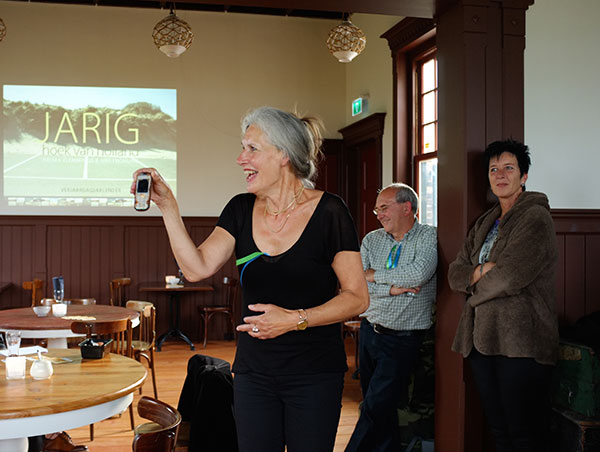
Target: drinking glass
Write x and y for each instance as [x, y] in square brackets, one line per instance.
[59, 295]
[13, 342]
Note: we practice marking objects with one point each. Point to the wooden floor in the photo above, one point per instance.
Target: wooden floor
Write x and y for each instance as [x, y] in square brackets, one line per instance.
[115, 435]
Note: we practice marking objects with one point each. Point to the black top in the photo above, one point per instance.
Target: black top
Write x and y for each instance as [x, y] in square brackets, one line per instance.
[299, 278]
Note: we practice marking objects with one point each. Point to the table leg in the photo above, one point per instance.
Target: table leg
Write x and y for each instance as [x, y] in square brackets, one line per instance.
[174, 330]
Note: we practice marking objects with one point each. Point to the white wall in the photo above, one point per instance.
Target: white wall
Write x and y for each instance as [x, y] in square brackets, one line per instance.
[371, 73]
[562, 101]
[237, 61]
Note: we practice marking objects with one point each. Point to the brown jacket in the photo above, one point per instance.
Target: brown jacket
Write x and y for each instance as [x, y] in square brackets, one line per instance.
[510, 311]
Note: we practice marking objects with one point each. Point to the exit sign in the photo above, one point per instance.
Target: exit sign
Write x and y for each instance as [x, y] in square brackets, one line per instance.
[357, 106]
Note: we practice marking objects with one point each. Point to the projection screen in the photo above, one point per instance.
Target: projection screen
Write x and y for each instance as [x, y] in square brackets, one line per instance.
[72, 147]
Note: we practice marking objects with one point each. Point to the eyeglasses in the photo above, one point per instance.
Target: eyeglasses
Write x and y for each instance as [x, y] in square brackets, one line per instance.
[382, 209]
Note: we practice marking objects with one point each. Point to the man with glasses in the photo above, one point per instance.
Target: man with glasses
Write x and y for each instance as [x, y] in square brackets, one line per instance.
[399, 262]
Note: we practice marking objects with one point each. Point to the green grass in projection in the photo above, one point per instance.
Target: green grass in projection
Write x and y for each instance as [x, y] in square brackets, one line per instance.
[83, 156]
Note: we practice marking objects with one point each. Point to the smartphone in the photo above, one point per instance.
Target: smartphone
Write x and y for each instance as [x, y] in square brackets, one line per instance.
[142, 191]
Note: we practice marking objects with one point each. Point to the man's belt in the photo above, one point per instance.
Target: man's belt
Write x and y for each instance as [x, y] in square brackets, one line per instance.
[389, 332]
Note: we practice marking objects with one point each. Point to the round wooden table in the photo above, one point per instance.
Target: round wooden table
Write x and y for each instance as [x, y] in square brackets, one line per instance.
[58, 329]
[80, 392]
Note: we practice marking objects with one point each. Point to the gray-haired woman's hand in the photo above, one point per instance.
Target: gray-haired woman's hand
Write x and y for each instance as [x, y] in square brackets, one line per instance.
[160, 192]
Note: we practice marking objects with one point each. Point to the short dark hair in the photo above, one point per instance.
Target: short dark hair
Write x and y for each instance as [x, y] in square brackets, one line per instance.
[518, 149]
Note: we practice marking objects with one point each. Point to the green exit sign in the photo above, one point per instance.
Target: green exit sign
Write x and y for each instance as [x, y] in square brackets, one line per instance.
[357, 106]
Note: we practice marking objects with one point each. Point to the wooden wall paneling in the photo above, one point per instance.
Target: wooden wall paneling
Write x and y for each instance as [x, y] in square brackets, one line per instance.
[578, 235]
[81, 254]
[117, 254]
[145, 264]
[17, 263]
[574, 278]
[560, 279]
[592, 273]
[40, 252]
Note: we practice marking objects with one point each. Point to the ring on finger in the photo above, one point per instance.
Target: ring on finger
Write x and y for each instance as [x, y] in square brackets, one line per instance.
[255, 329]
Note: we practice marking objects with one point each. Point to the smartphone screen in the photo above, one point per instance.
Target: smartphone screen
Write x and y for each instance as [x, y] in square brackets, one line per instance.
[142, 186]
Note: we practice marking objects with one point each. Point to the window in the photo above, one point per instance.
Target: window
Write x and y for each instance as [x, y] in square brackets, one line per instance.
[425, 122]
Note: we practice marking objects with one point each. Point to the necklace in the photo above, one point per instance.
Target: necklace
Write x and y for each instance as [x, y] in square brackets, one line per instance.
[289, 206]
[276, 231]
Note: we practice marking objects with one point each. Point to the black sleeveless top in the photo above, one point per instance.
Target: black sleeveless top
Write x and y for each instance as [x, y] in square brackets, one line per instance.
[301, 277]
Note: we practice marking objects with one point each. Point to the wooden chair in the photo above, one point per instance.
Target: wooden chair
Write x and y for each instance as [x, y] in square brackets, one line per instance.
[352, 328]
[120, 331]
[206, 312]
[117, 294]
[36, 286]
[160, 435]
[144, 337]
[80, 301]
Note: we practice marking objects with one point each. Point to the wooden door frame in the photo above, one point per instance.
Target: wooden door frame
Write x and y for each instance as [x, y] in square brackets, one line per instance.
[354, 135]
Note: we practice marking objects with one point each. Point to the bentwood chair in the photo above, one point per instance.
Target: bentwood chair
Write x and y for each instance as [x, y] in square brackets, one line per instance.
[144, 336]
[206, 312]
[117, 292]
[36, 287]
[352, 328]
[160, 435]
[80, 301]
[120, 331]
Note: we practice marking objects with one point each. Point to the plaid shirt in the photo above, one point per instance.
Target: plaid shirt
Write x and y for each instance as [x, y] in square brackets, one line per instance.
[416, 268]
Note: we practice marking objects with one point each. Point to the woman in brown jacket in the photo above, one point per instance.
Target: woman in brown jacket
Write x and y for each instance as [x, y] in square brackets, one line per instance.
[508, 328]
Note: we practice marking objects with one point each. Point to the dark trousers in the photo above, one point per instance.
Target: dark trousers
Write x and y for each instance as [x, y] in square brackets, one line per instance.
[514, 393]
[386, 363]
[300, 411]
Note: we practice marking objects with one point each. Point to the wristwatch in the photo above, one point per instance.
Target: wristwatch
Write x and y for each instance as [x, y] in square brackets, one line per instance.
[303, 322]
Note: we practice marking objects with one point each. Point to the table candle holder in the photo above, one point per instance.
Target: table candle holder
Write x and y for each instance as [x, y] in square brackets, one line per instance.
[59, 310]
[15, 367]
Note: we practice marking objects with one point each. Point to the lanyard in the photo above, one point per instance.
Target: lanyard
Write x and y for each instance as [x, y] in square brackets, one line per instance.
[392, 260]
[247, 260]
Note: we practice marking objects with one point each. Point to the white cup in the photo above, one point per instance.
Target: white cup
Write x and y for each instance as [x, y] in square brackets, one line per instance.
[15, 367]
[172, 280]
[59, 310]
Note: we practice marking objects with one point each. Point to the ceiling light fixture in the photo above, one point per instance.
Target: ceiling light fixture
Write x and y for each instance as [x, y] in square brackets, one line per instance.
[346, 41]
[2, 30]
[172, 35]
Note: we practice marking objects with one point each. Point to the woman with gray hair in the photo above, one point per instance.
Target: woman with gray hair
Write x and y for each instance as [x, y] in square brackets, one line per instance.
[299, 262]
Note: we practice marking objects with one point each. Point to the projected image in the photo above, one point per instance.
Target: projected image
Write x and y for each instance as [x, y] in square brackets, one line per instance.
[78, 146]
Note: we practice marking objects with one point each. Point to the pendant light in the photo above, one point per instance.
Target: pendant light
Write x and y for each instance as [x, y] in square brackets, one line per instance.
[346, 41]
[172, 35]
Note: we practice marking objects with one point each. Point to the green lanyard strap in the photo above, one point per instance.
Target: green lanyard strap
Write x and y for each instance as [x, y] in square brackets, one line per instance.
[392, 260]
[247, 260]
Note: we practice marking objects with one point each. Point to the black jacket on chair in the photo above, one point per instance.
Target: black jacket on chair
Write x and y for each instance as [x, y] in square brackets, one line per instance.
[206, 401]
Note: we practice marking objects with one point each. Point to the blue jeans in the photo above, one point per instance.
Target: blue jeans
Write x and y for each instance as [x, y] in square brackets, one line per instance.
[300, 411]
[386, 363]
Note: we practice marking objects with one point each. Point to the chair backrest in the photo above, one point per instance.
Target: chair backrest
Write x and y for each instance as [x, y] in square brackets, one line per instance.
[120, 331]
[80, 301]
[117, 294]
[36, 287]
[231, 288]
[146, 332]
[161, 438]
